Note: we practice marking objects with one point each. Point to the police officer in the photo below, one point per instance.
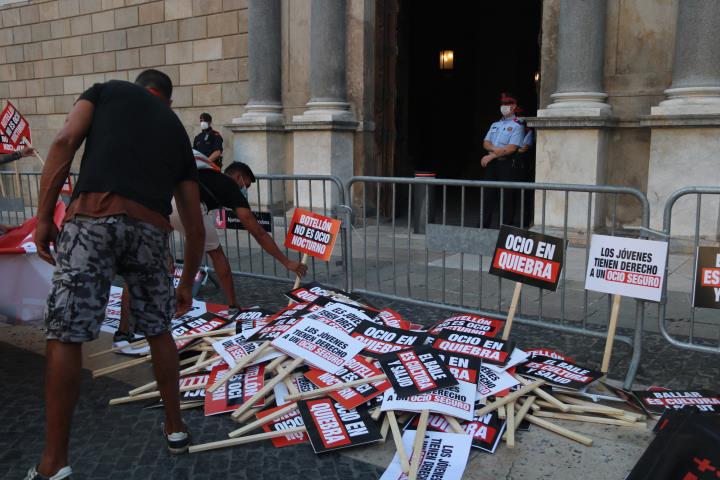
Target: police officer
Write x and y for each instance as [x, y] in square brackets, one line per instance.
[501, 143]
[208, 141]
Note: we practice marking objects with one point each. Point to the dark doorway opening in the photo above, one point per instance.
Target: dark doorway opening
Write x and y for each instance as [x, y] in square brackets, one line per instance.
[435, 120]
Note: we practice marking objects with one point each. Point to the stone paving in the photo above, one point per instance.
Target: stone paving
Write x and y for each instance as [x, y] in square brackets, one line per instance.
[124, 441]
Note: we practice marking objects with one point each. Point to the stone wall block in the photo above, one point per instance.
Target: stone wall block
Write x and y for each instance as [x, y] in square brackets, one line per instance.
[27, 106]
[52, 49]
[103, 62]
[29, 14]
[175, 9]
[32, 51]
[60, 28]
[11, 17]
[71, 46]
[21, 34]
[235, 46]
[222, 24]
[223, 71]
[90, 6]
[207, 95]
[235, 93]
[92, 43]
[48, 11]
[18, 89]
[193, 74]
[115, 40]
[73, 84]
[7, 72]
[182, 97]
[81, 25]
[139, 36]
[179, 52]
[151, 13]
[43, 69]
[206, 7]
[35, 88]
[25, 70]
[126, 17]
[40, 32]
[152, 56]
[53, 86]
[82, 64]
[193, 28]
[69, 8]
[90, 80]
[209, 49]
[62, 66]
[103, 21]
[127, 59]
[14, 54]
[45, 105]
[166, 32]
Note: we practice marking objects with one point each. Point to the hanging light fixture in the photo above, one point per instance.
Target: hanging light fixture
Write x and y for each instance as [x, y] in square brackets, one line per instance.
[446, 59]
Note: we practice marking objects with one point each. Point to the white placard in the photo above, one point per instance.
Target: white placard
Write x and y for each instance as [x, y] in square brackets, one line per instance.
[626, 266]
[444, 456]
[236, 347]
[492, 381]
[457, 401]
[320, 345]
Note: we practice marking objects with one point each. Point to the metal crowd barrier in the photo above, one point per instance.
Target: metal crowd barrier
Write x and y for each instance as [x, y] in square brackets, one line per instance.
[446, 266]
[680, 322]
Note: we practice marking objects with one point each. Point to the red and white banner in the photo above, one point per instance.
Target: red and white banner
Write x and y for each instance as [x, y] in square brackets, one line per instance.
[14, 126]
[312, 234]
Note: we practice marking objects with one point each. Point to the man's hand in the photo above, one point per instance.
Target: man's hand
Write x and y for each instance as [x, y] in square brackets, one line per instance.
[46, 232]
[298, 268]
[27, 151]
[487, 159]
[183, 299]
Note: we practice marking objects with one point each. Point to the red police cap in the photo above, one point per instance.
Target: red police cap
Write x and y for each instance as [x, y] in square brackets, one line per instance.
[507, 98]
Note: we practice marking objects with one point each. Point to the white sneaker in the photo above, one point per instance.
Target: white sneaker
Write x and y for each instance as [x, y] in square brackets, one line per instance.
[121, 339]
[64, 472]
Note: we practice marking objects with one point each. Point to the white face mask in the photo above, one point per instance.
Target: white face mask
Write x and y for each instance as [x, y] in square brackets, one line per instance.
[204, 125]
[506, 110]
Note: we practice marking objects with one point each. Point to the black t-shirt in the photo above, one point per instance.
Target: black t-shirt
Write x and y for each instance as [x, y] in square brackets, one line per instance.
[218, 190]
[136, 147]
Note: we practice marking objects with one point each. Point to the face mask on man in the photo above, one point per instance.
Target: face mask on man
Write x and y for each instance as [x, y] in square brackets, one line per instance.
[506, 110]
[244, 191]
[204, 125]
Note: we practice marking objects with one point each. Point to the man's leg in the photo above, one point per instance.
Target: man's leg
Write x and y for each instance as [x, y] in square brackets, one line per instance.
[224, 273]
[62, 388]
[166, 368]
[124, 326]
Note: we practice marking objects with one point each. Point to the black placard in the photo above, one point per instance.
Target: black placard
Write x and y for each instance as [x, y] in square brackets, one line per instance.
[330, 426]
[382, 339]
[558, 372]
[463, 367]
[656, 401]
[264, 219]
[207, 322]
[416, 371]
[281, 323]
[310, 292]
[707, 278]
[490, 350]
[469, 323]
[250, 318]
[528, 257]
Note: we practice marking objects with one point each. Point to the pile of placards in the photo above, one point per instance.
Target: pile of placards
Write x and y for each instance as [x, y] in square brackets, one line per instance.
[338, 372]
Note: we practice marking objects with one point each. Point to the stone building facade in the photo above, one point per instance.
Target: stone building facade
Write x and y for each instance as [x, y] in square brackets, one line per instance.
[628, 91]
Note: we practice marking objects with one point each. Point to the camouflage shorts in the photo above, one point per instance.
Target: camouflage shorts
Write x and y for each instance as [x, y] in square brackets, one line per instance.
[90, 251]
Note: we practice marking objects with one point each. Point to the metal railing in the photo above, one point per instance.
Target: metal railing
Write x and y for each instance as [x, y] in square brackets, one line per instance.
[446, 267]
[681, 323]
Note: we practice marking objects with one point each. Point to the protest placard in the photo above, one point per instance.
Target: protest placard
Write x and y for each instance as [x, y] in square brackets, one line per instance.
[379, 339]
[355, 369]
[416, 371]
[528, 257]
[340, 315]
[468, 323]
[457, 401]
[330, 426]
[546, 352]
[486, 431]
[309, 292]
[226, 218]
[217, 402]
[14, 126]
[232, 351]
[281, 322]
[292, 419]
[462, 367]
[626, 266]
[707, 278]
[558, 372]
[491, 381]
[655, 402]
[251, 318]
[443, 456]
[186, 384]
[490, 350]
[205, 323]
[391, 318]
[312, 234]
[318, 344]
[299, 382]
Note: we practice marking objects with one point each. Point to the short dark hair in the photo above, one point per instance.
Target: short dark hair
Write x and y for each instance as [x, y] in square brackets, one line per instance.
[241, 168]
[156, 79]
[206, 117]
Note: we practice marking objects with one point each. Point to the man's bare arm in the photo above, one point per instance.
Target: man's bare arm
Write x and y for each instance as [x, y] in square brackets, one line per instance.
[214, 156]
[187, 200]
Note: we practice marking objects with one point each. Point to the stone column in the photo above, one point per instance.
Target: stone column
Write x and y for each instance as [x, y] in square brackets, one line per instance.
[323, 135]
[572, 131]
[259, 134]
[685, 127]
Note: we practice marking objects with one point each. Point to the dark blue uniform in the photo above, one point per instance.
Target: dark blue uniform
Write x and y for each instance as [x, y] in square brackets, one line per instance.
[207, 141]
[506, 131]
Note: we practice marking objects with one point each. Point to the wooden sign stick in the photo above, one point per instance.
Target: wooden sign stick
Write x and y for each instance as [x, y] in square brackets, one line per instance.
[273, 365]
[239, 365]
[297, 277]
[332, 388]
[513, 308]
[590, 419]
[454, 424]
[243, 440]
[120, 366]
[511, 424]
[225, 331]
[384, 428]
[611, 333]
[524, 390]
[191, 369]
[262, 421]
[251, 413]
[26, 142]
[17, 180]
[155, 394]
[268, 386]
[546, 396]
[397, 438]
[559, 430]
[418, 443]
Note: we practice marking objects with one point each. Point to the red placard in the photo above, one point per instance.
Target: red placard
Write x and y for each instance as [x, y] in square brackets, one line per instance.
[293, 419]
[312, 234]
[355, 369]
[14, 126]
